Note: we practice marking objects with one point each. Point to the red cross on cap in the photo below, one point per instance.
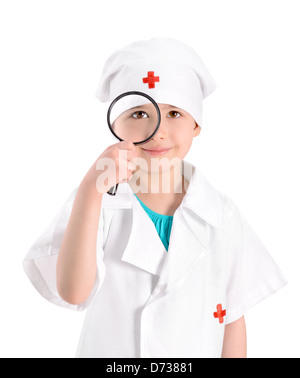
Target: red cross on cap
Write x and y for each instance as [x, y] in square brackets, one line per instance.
[151, 79]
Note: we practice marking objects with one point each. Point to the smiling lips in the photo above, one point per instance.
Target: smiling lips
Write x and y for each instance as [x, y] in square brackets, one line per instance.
[157, 151]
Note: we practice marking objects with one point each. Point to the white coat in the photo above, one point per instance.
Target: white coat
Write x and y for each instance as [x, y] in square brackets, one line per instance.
[149, 302]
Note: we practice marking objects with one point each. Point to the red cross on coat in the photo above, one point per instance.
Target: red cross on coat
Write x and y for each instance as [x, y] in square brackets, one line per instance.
[220, 313]
[151, 79]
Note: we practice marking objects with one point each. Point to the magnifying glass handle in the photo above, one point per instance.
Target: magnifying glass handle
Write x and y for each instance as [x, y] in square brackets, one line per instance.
[112, 191]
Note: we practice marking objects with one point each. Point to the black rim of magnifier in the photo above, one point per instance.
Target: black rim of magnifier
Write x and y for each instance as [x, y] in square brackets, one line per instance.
[133, 93]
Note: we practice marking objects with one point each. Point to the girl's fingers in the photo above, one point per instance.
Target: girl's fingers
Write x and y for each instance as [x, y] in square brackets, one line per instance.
[131, 166]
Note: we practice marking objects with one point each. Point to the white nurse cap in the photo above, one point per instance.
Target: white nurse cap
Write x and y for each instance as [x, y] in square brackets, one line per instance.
[164, 68]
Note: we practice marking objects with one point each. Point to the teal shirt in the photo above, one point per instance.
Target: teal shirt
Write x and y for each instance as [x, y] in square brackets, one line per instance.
[162, 223]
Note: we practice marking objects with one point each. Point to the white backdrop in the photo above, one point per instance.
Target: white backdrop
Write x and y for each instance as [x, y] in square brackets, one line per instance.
[53, 129]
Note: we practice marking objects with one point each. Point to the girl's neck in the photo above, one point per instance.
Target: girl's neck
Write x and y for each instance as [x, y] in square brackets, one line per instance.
[163, 202]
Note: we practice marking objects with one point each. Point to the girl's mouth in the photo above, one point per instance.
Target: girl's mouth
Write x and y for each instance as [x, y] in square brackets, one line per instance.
[157, 152]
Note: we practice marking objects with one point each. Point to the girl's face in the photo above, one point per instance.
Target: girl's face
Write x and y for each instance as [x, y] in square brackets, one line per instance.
[176, 132]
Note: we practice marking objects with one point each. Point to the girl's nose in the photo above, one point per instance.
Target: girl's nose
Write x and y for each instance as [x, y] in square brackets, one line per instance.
[162, 132]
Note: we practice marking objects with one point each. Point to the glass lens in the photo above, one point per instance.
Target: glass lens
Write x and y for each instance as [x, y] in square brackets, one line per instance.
[133, 117]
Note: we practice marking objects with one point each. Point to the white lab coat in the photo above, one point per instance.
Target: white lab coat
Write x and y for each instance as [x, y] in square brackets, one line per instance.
[147, 302]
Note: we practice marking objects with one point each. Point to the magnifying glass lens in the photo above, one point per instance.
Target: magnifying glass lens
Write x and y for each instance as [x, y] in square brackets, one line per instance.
[133, 117]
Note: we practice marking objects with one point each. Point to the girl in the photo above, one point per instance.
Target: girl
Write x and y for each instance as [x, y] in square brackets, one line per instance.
[163, 273]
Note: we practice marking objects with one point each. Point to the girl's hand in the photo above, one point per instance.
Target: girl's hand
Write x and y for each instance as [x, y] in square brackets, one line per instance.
[113, 166]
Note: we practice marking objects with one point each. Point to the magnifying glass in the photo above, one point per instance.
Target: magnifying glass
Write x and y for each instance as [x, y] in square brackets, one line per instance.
[133, 116]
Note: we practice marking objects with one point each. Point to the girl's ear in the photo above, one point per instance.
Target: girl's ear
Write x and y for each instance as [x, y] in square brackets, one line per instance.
[197, 129]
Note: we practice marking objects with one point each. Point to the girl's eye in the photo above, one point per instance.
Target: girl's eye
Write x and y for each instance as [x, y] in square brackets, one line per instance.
[174, 114]
[140, 114]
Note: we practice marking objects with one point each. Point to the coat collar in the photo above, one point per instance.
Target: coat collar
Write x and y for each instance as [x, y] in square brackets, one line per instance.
[199, 210]
[201, 197]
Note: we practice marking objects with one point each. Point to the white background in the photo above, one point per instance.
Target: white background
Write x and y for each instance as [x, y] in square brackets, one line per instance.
[53, 129]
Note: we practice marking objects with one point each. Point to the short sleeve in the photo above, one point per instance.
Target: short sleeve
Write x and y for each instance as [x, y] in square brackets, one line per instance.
[252, 274]
[40, 261]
